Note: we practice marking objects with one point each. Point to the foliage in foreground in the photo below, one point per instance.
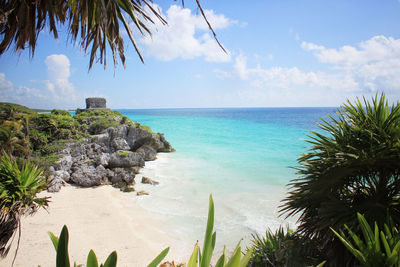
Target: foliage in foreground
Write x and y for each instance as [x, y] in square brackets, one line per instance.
[282, 248]
[197, 259]
[94, 24]
[353, 166]
[18, 189]
[380, 248]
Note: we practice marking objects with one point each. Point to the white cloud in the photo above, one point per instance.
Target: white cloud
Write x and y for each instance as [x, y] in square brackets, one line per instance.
[186, 36]
[370, 67]
[20, 94]
[373, 65]
[58, 72]
[287, 78]
[57, 91]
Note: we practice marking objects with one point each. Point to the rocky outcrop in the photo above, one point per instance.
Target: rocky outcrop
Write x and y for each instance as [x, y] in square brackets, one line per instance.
[112, 157]
[147, 180]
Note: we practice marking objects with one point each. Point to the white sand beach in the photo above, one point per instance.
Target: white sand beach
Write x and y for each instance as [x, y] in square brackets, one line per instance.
[96, 220]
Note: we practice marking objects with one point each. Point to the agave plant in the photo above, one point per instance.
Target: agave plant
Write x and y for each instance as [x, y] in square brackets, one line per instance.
[62, 259]
[353, 166]
[197, 259]
[18, 189]
[203, 258]
[380, 248]
[93, 23]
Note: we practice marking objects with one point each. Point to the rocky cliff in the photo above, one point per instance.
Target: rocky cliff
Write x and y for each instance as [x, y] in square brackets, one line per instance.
[113, 157]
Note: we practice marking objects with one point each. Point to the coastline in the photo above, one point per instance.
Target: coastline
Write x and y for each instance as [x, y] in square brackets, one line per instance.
[96, 220]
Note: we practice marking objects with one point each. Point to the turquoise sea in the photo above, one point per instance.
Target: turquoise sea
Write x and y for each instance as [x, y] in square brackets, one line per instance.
[243, 156]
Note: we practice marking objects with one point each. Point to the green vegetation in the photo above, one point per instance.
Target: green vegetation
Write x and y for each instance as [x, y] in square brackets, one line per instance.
[18, 188]
[378, 249]
[60, 112]
[282, 248]
[354, 167]
[197, 259]
[9, 110]
[25, 133]
[123, 153]
[88, 23]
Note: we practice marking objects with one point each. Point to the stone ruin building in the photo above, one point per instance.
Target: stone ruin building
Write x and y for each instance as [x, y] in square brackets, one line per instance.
[95, 103]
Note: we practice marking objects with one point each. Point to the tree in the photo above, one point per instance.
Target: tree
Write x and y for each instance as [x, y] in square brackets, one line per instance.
[93, 23]
[353, 166]
[12, 140]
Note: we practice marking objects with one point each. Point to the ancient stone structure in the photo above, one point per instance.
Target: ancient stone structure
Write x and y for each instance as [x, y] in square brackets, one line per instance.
[96, 103]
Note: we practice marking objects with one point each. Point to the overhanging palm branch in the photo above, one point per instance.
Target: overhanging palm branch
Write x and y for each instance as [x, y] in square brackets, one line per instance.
[93, 23]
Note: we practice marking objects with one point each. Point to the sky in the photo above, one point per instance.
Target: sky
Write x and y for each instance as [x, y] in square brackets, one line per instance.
[287, 53]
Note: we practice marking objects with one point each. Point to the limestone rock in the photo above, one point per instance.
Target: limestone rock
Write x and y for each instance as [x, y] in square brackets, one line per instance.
[119, 131]
[122, 175]
[137, 137]
[88, 175]
[147, 180]
[125, 159]
[103, 159]
[142, 193]
[64, 163]
[128, 188]
[167, 146]
[55, 184]
[147, 152]
[119, 144]
[62, 175]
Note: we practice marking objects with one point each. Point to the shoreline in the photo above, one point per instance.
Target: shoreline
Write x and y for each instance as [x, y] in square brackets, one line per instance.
[96, 220]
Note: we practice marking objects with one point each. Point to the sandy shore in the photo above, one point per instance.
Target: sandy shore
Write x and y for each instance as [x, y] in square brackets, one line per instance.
[96, 220]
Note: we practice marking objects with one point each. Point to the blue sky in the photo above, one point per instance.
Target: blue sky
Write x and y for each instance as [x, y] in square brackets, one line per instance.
[281, 53]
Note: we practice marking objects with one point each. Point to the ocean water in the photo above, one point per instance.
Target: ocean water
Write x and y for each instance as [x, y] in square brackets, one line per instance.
[243, 157]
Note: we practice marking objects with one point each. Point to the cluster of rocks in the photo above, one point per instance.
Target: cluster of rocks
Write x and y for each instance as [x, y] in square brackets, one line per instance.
[112, 157]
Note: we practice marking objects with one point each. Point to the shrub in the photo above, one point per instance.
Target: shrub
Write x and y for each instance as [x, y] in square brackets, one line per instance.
[282, 248]
[378, 249]
[18, 189]
[61, 112]
[101, 124]
[37, 139]
[353, 166]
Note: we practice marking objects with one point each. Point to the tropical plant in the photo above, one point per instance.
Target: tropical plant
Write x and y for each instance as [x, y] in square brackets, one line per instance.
[93, 23]
[12, 139]
[380, 248]
[197, 259]
[353, 166]
[203, 259]
[18, 189]
[282, 248]
[62, 258]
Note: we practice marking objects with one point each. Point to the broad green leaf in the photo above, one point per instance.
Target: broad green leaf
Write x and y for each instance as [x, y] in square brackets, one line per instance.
[62, 249]
[193, 258]
[234, 261]
[246, 258]
[54, 240]
[221, 260]
[208, 238]
[111, 260]
[92, 260]
[159, 258]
